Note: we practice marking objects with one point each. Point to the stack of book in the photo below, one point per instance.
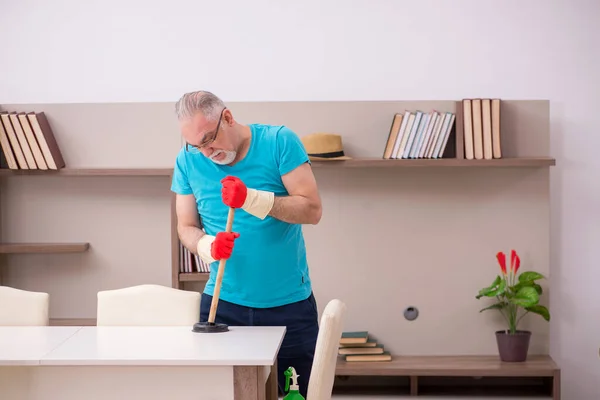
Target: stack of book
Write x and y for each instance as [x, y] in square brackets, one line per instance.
[27, 142]
[189, 262]
[419, 134]
[481, 121]
[358, 346]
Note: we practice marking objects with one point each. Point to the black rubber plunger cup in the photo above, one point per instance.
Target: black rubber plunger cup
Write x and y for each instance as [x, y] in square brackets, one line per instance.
[210, 326]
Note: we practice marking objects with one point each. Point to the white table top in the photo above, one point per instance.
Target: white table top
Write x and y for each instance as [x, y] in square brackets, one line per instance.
[26, 345]
[105, 345]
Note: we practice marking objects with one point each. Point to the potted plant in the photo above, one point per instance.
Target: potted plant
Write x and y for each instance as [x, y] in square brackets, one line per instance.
[516, 295]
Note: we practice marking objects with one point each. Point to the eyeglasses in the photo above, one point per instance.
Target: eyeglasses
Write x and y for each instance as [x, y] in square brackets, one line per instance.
[211, 138]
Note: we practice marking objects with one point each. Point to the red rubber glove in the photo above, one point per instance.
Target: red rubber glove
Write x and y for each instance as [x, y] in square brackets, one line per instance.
[222, 246]
[233, 192]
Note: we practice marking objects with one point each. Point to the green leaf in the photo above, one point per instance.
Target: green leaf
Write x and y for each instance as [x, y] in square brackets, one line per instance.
[532, 284]
[530, 276]
[495, 306]
[498, 290]
[540, 310]
[526, 297]
[489, 289]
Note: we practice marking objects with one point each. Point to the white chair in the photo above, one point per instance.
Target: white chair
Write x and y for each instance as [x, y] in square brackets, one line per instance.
[23, 308]
[148, 305]
[320, 385]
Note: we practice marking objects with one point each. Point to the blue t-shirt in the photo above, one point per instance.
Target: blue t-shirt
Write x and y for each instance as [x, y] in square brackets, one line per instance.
[268, 265]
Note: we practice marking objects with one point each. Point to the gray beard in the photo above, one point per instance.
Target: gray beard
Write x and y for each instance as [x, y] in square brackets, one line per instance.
[229, 157]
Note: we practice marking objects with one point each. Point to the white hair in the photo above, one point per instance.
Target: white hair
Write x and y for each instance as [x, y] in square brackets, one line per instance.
[202, 101]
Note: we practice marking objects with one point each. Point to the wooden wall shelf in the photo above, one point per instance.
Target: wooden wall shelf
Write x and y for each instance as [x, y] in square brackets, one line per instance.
[89, 172]
[440, 162]
[193, 276]
[29, 248]
[353, 163]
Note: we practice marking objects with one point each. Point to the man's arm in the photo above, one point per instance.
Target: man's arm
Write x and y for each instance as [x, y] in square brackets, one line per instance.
[303, 205]
[188, 223]
[188, 228]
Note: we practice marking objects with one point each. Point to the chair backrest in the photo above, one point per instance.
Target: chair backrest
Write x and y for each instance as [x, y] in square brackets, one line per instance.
[148, 305]
[320, 385]
[26, 308]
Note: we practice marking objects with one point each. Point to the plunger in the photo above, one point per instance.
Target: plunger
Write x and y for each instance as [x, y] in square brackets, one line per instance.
[210, 326]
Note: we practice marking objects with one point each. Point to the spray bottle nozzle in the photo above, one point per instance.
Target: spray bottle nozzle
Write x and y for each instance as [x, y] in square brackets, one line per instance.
[290, 374]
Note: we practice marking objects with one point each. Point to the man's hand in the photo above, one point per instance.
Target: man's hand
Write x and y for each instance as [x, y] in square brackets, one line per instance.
[256, 202]
[212, 248]
[222, 246]
[234, 191]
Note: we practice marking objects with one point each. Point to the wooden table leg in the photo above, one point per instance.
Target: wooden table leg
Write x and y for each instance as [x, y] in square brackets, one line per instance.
[556, 385]
[249, 383]
[272, 389]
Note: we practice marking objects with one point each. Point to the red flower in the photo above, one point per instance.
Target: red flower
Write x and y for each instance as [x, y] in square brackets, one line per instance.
[502, 261]
[515, 261]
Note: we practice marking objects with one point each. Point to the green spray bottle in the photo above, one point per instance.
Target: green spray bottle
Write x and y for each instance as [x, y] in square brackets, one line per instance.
[293, 389]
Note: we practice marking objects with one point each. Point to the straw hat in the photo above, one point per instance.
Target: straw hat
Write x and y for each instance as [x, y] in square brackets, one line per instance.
[324, 147]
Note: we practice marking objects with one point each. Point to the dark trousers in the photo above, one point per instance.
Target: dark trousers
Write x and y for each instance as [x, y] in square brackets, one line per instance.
[298, 346]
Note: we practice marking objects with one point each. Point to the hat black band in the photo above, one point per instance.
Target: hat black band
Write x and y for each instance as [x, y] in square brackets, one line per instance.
[332, 154]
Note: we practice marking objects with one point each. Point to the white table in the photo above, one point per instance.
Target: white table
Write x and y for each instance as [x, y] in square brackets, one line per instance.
[147, 363]
[27, 345]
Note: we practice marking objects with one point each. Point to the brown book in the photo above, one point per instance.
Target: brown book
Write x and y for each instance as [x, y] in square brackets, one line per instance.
[47, 141]
[477, 129]
[14, 141]
[22, 140]
[394, 130]
[368, 343]
[385, 356]
[468, 129]
[361, 350]
[354, 337]
[33, 143]
[486, 124]
[7, 150]
[497, 149]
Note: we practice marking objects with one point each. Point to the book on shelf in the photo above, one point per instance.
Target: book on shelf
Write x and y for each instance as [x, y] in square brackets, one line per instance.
[27, 142]
[419, 134]
[377, 349]
[357, 346]
[354, 337]
[385, 356]
[189, 262]
[481, 127]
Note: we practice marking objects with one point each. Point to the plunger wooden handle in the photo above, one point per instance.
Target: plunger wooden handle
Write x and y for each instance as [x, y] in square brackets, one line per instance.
[217, 291]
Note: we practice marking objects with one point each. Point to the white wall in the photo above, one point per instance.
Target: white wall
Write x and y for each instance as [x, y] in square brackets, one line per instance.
[112, 51]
